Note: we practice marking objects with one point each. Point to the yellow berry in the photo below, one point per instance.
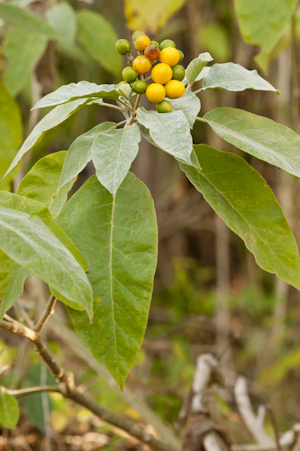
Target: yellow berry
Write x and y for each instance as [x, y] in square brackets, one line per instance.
[141, 42]
[174, 89]
[169, 56]
[155, 92]
[142, 64]
[161, 73]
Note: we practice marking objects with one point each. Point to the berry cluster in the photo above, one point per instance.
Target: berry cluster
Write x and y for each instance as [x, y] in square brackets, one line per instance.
[162, 59]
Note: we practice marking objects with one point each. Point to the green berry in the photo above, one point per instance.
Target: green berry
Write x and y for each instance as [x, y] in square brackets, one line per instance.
[123, 46]
[136, 34]
[129, 74]
[154, 43]
[167, 43]
[178, 72]
[181, 55]
[139, 86]
[164, 107]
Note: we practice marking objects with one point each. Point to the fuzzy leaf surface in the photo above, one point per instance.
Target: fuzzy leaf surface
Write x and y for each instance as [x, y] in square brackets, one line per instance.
[233, 77]
[41, 182]
[118, 238]
[171, 132]
[27, 240]
[189, 103]
[196, 66]
[51, 120]
[113, 152]
[80, 153]
[258, 136]
[80, 90]
[242, 198]
[62, 18]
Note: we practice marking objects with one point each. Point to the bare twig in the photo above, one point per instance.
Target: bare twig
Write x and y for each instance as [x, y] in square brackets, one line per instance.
[49, 310]
[31, 390]
[252, 421]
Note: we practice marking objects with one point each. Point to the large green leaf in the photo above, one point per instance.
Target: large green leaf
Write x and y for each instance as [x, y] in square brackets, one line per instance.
[258, 136]
[10, 132]
[80, 153]
[41, 182]
[170, 132]
[62, 18]
[241, 197]
[118, 238]
[189, 103]
[263, 22]
[196, 66]
[20, 17]
[28, 241]
[12, 275]
[51, 120]
[234, 77]
[113, 152]
[98, 38]
[83, 89]
[22, 49]
[9, 410]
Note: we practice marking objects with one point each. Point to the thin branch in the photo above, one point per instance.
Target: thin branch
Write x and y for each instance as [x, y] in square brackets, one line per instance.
[275, 428]
[68, 390]
[49, 310]
[201, 119]
[31, 390]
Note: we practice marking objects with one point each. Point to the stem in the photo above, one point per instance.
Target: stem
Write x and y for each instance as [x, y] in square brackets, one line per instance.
[68, 390]
[31, 390]
[109, 105]
[201, 119]
[49, 310]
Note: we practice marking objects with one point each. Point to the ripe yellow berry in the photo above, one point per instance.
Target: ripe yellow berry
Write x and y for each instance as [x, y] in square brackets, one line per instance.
[155, 92]
[174, 89]
[141, 42]
[161, 73]
[169, 56]
[142, 64]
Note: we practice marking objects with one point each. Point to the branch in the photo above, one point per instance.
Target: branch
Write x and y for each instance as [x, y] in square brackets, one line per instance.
[252, 421]
[31, 390]
[49, 310]
[68, 390]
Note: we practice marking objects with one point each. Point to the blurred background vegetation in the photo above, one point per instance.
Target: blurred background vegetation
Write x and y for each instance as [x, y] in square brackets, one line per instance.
[209, 294]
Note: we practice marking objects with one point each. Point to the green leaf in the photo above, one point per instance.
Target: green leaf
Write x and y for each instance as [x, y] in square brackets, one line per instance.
[51, 120]
[234, 77]
[22, 18]
[80, 153]
[28, 241]
[196, 66]
[258, 136]
[216, 39]
[83, 89]
[113, 152]
[98, 38]
[241, 197]
[62, 18]
[10, 132]
[9, 410]
[189, 103]
[118, 238]
[12, 275]
[170, 132]
[263, 22]
[22, 49]
[41, 182]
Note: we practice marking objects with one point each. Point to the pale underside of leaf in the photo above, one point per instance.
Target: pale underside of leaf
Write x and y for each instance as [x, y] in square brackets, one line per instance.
[258, 136]
[51, 120]
[80, 153]
[73, 91]
[113, 152]
[189, 103]
[241, 197]
[196, 65]
[170, 132]
[118, 237]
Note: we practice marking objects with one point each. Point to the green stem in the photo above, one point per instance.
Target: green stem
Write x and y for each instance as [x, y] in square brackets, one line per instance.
[201, 119]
